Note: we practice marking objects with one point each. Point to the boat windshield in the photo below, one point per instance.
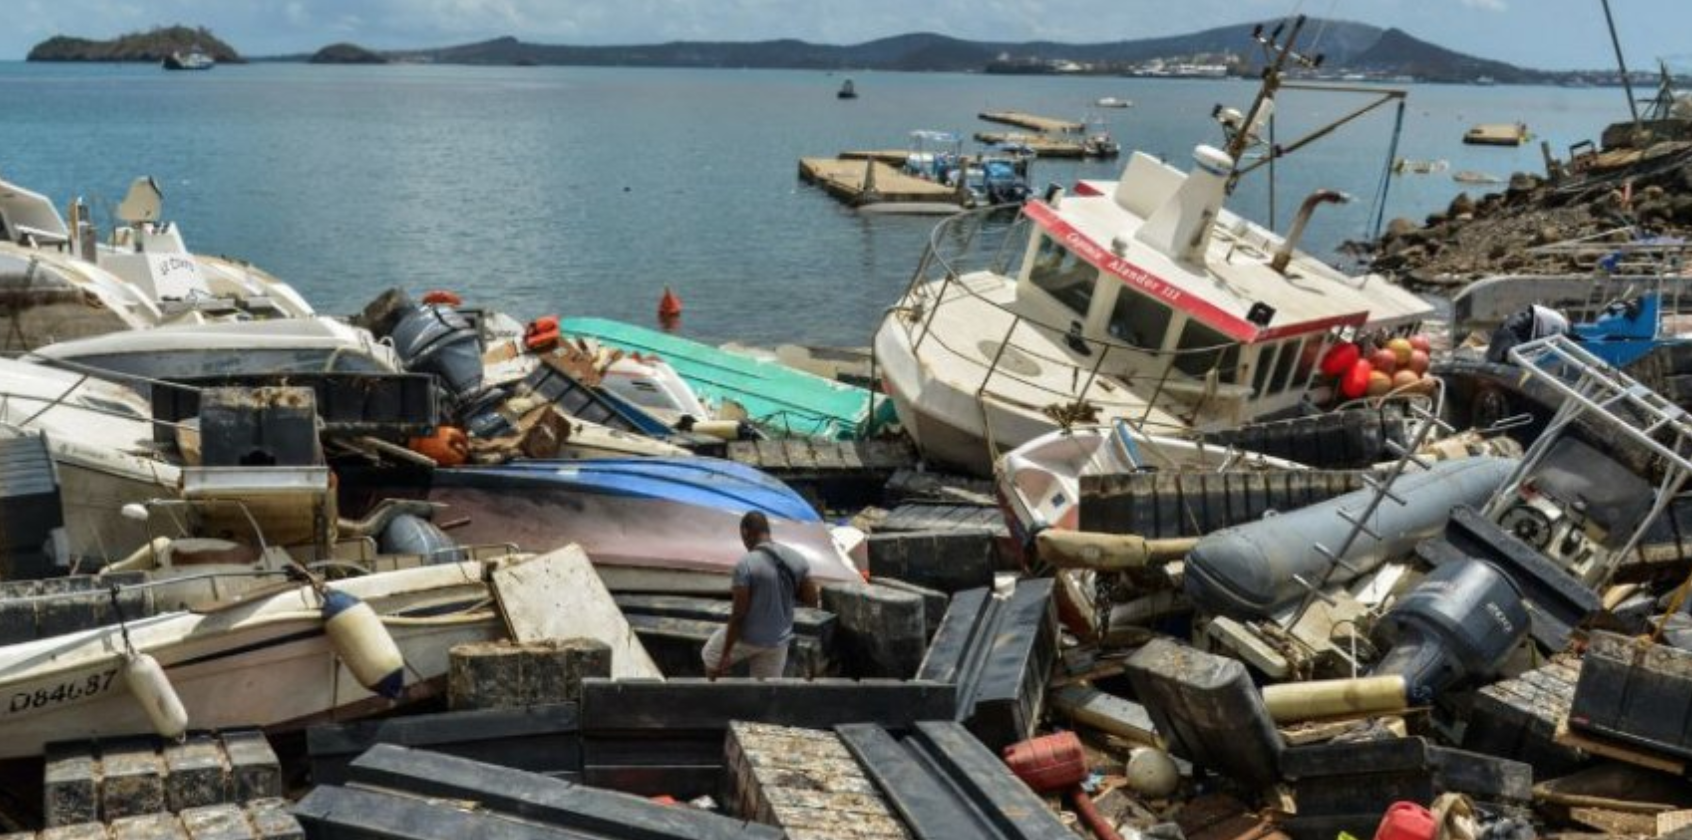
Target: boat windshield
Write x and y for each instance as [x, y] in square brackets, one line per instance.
[1062, 273]
[1191, 358]
[1138, 320]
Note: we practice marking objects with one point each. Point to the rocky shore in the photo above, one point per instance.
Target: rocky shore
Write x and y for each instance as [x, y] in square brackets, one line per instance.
[1642, 194]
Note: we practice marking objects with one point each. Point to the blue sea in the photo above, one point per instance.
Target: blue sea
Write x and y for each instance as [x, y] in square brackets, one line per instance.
[586, 191]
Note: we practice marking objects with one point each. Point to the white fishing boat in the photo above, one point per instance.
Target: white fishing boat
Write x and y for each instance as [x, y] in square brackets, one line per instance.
[1113, 102]
[266, 660]
[1143, 300]
[314, 344]
[58, 282]
[100, 439]
[1039, 483]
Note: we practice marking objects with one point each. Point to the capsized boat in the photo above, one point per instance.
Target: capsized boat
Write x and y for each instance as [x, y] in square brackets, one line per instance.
[265, 660]
[58, 282]
[780, 400]
[1039, 483]
[1144, 300]
[654, 524]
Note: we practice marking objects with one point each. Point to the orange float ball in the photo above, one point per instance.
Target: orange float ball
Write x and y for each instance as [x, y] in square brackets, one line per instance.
[1384, 360]
[1379, 383]
[1420, 341]
[1419, 361]
[1356, 380]
[1401, 348]
[1405, 377]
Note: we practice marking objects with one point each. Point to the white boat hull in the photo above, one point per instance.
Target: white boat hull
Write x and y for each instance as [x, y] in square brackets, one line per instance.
[266, 663]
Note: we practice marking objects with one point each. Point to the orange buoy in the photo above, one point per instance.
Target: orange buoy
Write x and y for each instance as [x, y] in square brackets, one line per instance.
[1340, 358]
[443, 296]
[1356, 380]
[448, 446]
[669, 306]
[541, 334]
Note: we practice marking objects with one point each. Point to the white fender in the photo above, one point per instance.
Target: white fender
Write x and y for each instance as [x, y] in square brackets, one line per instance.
[1152, 772]
[147, 681]
[359, 639]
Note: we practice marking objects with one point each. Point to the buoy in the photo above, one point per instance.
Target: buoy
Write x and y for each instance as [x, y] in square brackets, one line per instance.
[1420, 341]
[1384, 361]
[1152, 772]
[1401, 348]
[1356, 380]
[359, 639]
[447, 447]
[147, 681]
[443, 296]
[1340, 358]
[669, 306]
[721, 429]
[542, 334]
[1405, 377]
[1419, 361]
[1379, 383]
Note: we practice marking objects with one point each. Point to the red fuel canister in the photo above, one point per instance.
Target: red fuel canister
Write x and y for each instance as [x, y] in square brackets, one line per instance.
[1407, 821]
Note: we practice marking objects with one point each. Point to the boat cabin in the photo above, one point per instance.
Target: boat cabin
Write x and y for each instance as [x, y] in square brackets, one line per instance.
[1173, 289]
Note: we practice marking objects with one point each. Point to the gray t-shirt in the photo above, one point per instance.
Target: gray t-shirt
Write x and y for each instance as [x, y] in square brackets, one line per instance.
[769, 611]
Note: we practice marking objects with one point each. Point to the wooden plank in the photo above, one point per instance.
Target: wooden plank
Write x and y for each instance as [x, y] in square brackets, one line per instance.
[826, 455]
[798, 455]
[1619, 752]
[771, 455]
[559, 596]
[702, 705]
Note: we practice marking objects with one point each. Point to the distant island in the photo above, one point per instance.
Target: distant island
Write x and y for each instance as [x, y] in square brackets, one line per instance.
[152, 46]
[344, 53]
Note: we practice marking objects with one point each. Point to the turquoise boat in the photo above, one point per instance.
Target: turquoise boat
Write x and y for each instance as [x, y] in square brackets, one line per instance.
[778, 399]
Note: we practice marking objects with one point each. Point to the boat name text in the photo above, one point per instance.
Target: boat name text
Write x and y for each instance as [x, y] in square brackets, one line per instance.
[68, 691]
[1129, 272]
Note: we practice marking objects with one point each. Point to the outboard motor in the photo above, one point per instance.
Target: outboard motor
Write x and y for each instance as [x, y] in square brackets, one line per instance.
[1460, 622]
[433, 338]
[410, 534]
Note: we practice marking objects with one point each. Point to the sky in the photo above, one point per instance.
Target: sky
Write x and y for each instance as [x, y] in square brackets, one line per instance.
[1547, 34]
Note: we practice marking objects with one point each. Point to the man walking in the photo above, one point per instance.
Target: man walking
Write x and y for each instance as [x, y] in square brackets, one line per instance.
[769, 578]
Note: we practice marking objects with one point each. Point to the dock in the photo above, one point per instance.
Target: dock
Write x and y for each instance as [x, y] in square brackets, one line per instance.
[1496, 134]
[1048, 125]
[859, 182]
[891, 157]
[1043, 145]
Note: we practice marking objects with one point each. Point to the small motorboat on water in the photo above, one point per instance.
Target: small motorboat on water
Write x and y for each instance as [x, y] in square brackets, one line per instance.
[847, 90]
[58, 282]
[264, 660]
[650, 524]
[192, 60]
[1113, 102]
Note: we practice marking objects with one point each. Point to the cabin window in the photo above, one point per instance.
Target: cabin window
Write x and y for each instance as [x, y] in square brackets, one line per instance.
[1062, 274]
[1284, 366]
[1265, 363]
[1202, 348]
[1138, 320]
[1307, 357]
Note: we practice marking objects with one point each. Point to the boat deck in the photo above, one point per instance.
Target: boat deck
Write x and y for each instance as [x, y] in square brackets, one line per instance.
[845, 180]
[1043, 145]
[1033, 121]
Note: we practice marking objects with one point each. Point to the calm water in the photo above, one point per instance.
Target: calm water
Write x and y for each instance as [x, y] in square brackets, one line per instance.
[586, 190]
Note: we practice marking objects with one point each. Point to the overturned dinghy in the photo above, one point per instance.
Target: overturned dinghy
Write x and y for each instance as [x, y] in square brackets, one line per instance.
[653, 524]
[269, 660]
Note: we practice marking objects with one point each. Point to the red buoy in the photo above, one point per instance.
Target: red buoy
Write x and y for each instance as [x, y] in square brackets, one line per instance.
[1407, 821]
[443, 296]
[1356, 381]
[669, 306]
[1340, 358]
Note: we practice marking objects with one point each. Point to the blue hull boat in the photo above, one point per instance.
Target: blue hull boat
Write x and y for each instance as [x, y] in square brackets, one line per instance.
[649, 524]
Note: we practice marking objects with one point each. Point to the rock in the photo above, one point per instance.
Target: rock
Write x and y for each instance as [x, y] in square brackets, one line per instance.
[1546, 235]
[1523, 182]
[1400, 227]
[1651, 193]
[1434, 220]
[1461, 206]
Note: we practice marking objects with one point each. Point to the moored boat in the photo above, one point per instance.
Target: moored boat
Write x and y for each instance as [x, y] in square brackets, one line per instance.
[192, 60]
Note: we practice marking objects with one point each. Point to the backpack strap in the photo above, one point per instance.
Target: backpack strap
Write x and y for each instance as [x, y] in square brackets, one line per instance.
[786, 571]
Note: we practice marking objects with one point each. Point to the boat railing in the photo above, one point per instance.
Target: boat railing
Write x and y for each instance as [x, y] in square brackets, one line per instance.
[974, 242]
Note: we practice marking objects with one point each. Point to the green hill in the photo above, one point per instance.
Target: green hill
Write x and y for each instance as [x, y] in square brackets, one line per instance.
[152, 45]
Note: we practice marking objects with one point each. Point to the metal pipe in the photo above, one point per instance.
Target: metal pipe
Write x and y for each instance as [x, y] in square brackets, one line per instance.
[1284, 254]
